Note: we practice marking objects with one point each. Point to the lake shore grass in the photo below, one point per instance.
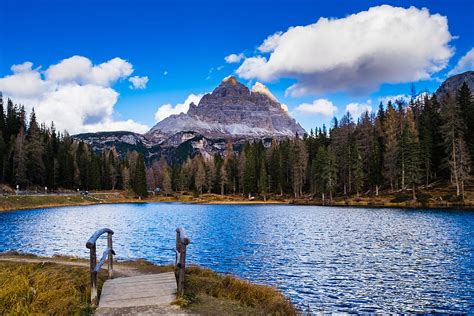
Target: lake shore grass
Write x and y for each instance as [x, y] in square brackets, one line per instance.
[440, 198]
[60, 286]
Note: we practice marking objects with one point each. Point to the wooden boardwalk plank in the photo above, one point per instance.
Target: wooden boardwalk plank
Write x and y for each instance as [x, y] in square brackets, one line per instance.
[143, 290]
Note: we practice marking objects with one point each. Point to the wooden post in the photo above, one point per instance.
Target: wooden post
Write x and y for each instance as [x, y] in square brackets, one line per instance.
[94, 266]
[93, 259]
[111, 256]
[181, 271]
[181, 242]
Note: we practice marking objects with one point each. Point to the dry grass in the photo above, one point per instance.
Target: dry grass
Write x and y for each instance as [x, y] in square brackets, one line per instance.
[29, 288]
[59, 289]
[208, 292]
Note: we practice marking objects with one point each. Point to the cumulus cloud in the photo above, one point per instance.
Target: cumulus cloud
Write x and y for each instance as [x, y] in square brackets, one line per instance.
[319, 106]
[402, 97]
[464, 64]
[357, 109]
[24, 83]
[80, 70]
[168, 109]
[138, 82]
[75, 94]
[356, 53]
[234, 58]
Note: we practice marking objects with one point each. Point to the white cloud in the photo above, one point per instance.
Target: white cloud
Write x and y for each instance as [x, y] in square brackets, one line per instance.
[284, 107]
[234, 58]
[138, 82]
[356, 53]
[319, 106]
[270, 43]
[26, 66]
[111, 125]
[80, 70]
[167, 109]
[24, 82]
[75, 94]
[405, 98]
[357, 109]
[464, 64]
[402, 97]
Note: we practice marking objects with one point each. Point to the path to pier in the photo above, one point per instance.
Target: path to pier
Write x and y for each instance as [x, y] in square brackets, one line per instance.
[132, 292]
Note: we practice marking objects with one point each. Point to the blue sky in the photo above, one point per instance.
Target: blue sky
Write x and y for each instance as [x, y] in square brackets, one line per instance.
[181, 45]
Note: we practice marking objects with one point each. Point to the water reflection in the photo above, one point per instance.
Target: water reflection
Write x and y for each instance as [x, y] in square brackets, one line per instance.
[325, 259]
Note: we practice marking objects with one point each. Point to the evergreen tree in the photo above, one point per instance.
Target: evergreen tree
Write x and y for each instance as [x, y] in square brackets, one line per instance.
[263, 180]
[390, 128]
[357, 171]
[34, 153]
[167, 189]
[3, 150]
[139, 180]
[299, 163]
[200, 175]
[94, 173]
[411, 153]
[2, 115]
[457, 155]
[20, 160]
[250, 170]
[466, 105]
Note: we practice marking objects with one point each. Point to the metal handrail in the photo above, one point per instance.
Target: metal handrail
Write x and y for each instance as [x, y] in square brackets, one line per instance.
[94, 266]
[182, 241]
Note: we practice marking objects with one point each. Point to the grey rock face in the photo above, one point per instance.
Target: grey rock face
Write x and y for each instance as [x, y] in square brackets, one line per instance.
[232, 111]
[451, 85]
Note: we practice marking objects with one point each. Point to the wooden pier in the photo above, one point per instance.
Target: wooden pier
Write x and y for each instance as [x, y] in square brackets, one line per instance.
[136, 294]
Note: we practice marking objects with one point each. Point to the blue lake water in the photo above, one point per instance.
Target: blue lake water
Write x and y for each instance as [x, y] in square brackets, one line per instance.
[324, 259]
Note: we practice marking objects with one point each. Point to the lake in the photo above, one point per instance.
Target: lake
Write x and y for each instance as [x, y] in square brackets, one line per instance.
[324, 258]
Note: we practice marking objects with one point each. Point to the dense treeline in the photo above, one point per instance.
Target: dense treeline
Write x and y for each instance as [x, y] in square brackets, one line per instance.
[401, 147]
[36, 156]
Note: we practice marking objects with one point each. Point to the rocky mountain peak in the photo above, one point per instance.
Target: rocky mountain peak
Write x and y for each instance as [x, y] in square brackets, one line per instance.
[451, 85]
[230, 111]
[230, 80]
[262, 89]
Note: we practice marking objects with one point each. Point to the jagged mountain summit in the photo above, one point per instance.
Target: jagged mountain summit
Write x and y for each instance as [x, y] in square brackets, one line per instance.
[451, 85]
[231, 111]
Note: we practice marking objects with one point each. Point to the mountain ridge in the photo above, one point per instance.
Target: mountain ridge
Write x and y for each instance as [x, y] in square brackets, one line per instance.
[231, 112]
[206, 128]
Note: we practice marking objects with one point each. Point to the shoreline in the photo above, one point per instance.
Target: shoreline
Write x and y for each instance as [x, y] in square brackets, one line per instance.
[206, 291]
[30, 202]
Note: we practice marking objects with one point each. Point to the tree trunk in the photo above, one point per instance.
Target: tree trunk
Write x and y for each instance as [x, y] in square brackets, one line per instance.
[376, 190]
[403, 175]
[414, 193]
[322, 196]
[455, 169]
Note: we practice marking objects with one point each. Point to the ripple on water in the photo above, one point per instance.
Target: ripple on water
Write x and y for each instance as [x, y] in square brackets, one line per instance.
[324, 259]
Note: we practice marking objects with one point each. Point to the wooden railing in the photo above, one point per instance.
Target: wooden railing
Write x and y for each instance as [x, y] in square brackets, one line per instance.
[94, 265]
[182, 241]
